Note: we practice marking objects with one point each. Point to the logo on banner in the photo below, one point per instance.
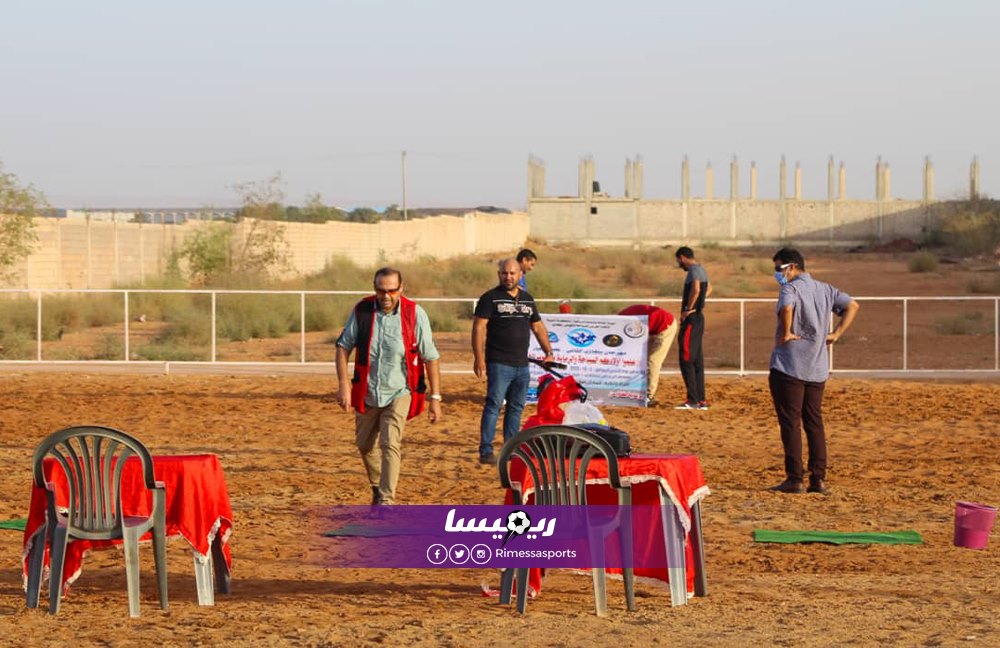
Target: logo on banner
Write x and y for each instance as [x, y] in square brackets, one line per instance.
[612, 340]
[581, 337]
[553, 337]
[634, 329]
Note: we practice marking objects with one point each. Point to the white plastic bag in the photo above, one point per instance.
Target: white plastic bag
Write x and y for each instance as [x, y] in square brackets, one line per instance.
[577, 412]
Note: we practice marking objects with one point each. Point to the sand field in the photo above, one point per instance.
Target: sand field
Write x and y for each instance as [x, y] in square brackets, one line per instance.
[901, 454]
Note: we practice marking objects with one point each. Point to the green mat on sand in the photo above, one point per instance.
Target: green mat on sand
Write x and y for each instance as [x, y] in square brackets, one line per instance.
[838, 537]
[14, 525]
[370, 531]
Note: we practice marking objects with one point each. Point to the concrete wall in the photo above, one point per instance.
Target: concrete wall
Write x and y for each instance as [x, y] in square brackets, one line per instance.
[96, 254]
[619, 221]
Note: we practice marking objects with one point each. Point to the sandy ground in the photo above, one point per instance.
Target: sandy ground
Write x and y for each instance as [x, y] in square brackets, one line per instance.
[901, 454]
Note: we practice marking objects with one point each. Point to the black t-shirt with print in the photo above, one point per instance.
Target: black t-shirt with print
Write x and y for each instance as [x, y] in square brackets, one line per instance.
[508, 331]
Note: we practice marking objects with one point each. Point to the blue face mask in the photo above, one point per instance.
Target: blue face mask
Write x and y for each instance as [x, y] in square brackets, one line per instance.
[780, 277]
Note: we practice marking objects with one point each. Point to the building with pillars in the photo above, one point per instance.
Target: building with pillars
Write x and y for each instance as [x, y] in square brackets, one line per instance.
[596, 218]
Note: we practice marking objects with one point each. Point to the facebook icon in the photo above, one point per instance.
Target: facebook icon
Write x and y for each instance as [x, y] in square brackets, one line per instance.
[436, 554]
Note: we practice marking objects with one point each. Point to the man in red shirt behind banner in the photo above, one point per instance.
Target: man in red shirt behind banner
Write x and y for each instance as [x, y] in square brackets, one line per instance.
[662, 332]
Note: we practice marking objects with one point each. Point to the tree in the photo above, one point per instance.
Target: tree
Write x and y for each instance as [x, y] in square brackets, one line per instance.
[207, 251]
[316, 212]
[261, 199]
[254, 247]
[363, 215]
[18, 207]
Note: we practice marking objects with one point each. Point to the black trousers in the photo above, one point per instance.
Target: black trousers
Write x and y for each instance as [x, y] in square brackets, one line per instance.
[692, 360]
[799, 404]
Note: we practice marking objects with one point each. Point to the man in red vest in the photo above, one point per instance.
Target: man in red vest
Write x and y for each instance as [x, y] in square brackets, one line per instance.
[392, 343]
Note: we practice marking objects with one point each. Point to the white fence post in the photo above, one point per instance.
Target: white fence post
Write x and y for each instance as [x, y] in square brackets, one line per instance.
[38, 328]
[906, 328]
[302, 326]
[213, 325]
[127, 354]
[743, 336]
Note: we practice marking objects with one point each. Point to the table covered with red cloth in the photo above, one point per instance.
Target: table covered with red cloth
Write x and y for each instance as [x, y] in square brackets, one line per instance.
[676, 478]
[197, 506]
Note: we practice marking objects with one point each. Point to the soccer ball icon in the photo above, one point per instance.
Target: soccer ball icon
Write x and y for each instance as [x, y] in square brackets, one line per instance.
[518, 522]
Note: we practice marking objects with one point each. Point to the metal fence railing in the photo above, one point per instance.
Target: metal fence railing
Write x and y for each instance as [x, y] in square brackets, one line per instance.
[892, 334]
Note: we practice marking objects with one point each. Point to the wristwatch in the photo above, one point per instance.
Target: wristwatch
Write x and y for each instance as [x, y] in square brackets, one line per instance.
[436, 397]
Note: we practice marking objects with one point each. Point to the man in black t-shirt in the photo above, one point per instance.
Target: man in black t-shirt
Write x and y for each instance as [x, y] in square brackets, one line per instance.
[692, 359]
[505, 318]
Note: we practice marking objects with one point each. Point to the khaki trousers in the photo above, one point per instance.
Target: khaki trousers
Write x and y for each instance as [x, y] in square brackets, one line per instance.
[385, 425]
[659, 345]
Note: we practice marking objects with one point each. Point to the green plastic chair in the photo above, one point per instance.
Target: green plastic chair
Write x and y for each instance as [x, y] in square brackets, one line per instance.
[557, 457]
[92, 459]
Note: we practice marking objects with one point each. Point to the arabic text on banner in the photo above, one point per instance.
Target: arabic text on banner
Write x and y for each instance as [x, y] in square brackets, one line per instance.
[605, 353]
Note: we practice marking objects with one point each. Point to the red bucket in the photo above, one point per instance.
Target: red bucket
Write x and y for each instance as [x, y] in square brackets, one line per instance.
[973, 523]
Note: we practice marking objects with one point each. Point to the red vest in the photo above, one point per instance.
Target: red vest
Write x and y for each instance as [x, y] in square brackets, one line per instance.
[364, 316]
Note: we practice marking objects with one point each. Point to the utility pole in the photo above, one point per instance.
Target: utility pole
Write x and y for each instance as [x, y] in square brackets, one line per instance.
[404, 186]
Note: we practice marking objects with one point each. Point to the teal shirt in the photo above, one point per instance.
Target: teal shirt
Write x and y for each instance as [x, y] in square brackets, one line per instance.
[387, 356]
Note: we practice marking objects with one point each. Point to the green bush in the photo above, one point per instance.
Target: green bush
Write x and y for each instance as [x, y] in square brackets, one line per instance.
[242, 317]
[985, 286]
[340, 273]
[974, 229]
[972, 323]
[17, 345]
[923, 262]
[447, 317]
[111, 347]
[551, 281]
[171, 351]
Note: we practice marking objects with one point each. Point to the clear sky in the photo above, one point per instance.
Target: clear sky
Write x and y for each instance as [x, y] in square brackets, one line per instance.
[171, 103]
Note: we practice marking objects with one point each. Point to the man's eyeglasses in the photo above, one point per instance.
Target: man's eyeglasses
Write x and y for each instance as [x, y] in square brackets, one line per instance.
[387, 291]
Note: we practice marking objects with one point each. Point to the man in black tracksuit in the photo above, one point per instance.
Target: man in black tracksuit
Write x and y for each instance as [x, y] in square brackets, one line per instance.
[692, 360]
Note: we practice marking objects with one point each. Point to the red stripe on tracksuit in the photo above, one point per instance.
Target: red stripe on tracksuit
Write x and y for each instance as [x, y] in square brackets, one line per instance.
[685, 349]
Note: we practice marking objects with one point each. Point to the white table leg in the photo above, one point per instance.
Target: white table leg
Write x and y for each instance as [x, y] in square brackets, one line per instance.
[203, 579]
[673, 539]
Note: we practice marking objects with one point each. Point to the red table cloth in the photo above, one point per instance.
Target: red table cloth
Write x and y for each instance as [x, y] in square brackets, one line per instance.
[197, 506]
[678, 475]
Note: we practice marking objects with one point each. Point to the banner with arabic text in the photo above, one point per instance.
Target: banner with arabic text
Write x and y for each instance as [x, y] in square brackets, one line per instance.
[604, 353]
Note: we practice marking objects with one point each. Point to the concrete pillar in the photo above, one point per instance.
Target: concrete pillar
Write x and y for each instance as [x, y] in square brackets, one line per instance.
[142, 256]
[734, 179]
[830, 178]
[709, 181]
[842, 180]
[928, 180]
[886, 182]
[685, 179]
[783, 179]
[591, 175]
[637, 177]
[536, 177]
[753, 181]
[798, 181]
[629, 179]
[879, 178]
[582, 173]
[974, 179]
[90, 269]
